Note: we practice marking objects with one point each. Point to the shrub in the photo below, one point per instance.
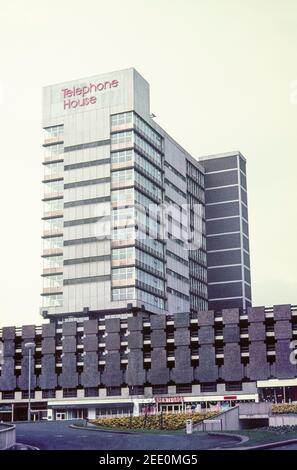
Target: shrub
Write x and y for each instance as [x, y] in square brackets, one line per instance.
[169, 421]
[284, 408]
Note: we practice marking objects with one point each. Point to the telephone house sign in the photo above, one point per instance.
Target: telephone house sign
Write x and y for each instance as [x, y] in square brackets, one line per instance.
[76, 97]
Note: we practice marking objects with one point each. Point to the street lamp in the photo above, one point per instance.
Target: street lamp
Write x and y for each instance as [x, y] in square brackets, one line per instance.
[30, 347]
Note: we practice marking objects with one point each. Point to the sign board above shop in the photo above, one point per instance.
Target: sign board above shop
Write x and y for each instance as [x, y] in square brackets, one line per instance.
[169, 399]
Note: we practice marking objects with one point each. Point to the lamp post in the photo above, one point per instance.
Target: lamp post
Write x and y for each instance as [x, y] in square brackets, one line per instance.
[30, 347]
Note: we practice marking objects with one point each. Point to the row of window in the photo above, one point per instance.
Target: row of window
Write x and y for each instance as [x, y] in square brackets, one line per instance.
[133, 390]
[122, 138]
[53, 281]
[53, 131]
[130, 274]
[53, 205]
[55, 223]
[194, 173]
[178, 294]
[52, 243]
[53, 169]
[135, 121]
[52, 262]
[130, 254]
[178, 276]
[148, 132]
[174, 170]
[148, 150]
[129, 177]
[53, 187]
[131, 293]
[54, 151]
[54, 300]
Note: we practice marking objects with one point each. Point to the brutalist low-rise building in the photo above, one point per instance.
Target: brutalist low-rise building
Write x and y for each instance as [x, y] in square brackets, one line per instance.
[148, 363]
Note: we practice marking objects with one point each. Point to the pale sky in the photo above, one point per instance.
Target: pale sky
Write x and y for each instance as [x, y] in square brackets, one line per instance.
[223, 76]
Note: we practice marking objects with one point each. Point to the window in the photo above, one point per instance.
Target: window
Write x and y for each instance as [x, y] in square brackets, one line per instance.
[136, 390]
[54, 281]
[122, 178]
[52, 169]
[208, 387]
[122, 138]
[233, 386]
[123, 216]
[125, 255]
[52, 243]
[147, 167]
[149, 261]
[122, 118]
[149, 151]
[149, 280]
[49, 393]
[8, 395]
[52, 262]
[91, 392]
[151, 299]
[54, 151]
[53, 132]
[69, 393]
[53, 187]
[113, 391]
[123, 275]
[126, 293]
[123, 195]
[148, 131]
[54, 300]
[123, 233]
[25, 394]
[160, 389]
[124, 156]
[183, 388]
[53, 224]
[53, 205]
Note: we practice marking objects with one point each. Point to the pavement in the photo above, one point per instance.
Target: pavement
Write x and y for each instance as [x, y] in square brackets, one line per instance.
[58, 435]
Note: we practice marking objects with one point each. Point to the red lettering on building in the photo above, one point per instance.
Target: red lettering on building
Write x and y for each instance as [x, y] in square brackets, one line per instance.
[85, 90]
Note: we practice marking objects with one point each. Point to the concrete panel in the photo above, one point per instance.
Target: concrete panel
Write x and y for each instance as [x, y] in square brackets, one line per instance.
[8, 333]
[136, 375]
[282, 312]
[182, 337]
[90, 376]
[135, 340]
[48, 378]
[90, 327]
[283, 368]
[158, 338]
[158, 322]
[230, 316]
[113, 341]
[231, 333]
[135, 323]
[48, 346]
[257, 331]
[159, 373]
[183, 371]
[283, 330]
[206, 318]
[69, 344]
[69, 328]
[112, 325]
[207, 371]
[232, 370]
[182, 320]
[206, 335]
[49, 330]
[69, 375]
[90, 343]
[258, 368]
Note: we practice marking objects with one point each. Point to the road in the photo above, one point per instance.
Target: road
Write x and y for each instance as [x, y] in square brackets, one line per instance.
[57, 435]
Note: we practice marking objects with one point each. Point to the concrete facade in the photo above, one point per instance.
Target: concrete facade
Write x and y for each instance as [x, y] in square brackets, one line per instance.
[143, 360]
